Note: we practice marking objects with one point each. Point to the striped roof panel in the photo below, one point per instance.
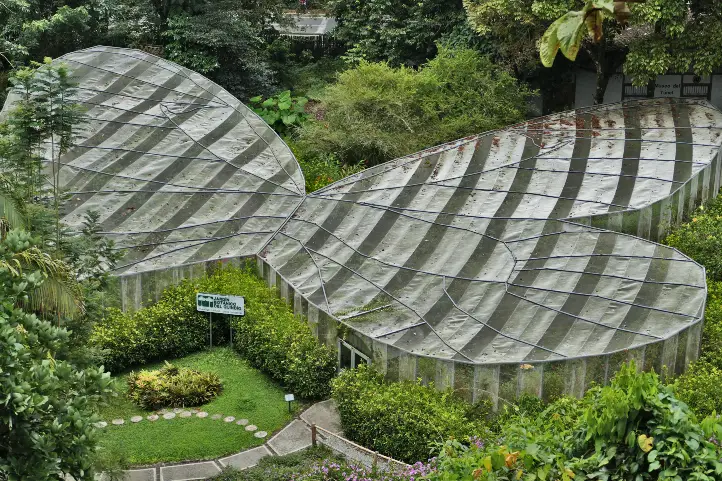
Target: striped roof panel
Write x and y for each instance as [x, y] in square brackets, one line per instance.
[480, 250]
[179, 169]
[494, 248]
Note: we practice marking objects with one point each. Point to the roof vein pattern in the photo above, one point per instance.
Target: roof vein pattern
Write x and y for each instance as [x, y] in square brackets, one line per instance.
[509, 246]
[529, 244]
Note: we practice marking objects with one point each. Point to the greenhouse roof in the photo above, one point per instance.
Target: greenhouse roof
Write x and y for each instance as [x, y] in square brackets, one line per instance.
[494, 248]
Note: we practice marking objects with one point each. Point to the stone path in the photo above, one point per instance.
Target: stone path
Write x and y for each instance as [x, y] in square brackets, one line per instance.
[294, 437]
[183, 413]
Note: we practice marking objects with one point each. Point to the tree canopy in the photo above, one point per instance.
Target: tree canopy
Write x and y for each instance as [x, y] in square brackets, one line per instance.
[658, 36]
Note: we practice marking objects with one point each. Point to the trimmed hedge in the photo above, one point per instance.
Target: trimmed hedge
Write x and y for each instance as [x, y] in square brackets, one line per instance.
[273, 339]
[269, 335]
[168, 329]
[400, 419]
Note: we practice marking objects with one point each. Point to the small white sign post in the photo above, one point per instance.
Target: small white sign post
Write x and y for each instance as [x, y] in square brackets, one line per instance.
[220, 304]
[289, 399]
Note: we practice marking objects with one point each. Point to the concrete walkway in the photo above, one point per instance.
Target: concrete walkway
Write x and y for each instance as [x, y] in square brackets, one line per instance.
[294, 437]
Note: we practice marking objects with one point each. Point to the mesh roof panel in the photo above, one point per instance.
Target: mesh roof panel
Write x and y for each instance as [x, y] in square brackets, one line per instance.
[484, 250]
[179, 169]
[477, 250]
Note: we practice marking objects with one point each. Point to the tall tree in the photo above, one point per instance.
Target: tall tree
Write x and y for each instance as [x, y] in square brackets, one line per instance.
[401, 32]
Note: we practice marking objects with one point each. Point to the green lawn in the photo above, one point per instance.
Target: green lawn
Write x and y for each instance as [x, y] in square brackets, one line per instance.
[247, 393]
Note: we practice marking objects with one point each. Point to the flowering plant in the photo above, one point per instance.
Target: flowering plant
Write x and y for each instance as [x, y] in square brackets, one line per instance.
[335, 471]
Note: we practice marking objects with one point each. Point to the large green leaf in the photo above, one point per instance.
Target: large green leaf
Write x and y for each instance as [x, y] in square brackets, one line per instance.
[567, 32]
[561, 35]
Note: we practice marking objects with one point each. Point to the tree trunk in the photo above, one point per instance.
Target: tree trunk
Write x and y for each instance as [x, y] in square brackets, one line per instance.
[603, 76]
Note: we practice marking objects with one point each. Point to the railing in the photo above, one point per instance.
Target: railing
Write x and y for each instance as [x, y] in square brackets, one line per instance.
[370, 459]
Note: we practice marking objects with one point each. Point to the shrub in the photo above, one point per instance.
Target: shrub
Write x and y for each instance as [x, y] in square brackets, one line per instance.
[273, 339]
[701, 238]
[280, 468]
[375, 112]
[699, 386]
[170, 328]
[172, 387]
[269, 335]
[399, 419]
[633, 429]
[282, 112]
[320, 170]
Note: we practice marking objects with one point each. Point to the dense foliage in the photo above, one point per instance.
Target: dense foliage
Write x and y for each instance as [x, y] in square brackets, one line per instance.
[280, 468]
[48, 403]
[401, 419]
[701, 238]
[652, 39]
[633, 429]
[222, 39]
[376, 112]
[173, 387]
[273, 339]
[282, 112]
[269, 335]
[401, 32]
[170, 328]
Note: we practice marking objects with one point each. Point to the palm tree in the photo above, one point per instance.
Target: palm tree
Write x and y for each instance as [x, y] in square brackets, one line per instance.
[60, 294]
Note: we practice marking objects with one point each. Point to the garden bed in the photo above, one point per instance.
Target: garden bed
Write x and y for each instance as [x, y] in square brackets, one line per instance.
[247, 394]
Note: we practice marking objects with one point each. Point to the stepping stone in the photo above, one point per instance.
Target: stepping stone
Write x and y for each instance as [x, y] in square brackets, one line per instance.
[260, 434]
[202, 414]
[216, 417]
[152, 417]
[177, 410]
[168, 415]
[136, 419]
[229, 419]
[118, 422]
[251, 427]
[242, 422]
[186, 414]
[100, 424]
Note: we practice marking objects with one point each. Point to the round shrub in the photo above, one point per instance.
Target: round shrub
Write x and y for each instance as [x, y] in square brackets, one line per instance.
[172, 387]
[399, 419]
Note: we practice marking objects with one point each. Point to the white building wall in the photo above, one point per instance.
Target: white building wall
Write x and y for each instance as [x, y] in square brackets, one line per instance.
[666, 86]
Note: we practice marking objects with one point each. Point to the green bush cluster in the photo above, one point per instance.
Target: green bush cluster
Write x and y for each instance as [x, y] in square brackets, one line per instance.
[699, 386]
[633, 429]
[172, 387]
[273, 339]
[168, 329]
[376, 112]
[281, 111]
[320, 170]
[701, 238]
[269, 335]
[399, 419]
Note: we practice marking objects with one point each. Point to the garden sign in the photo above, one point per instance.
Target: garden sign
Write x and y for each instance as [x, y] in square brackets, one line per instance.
[219, 304]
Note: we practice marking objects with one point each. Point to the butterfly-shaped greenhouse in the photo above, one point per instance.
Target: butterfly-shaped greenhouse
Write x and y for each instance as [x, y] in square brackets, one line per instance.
[516, 261]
